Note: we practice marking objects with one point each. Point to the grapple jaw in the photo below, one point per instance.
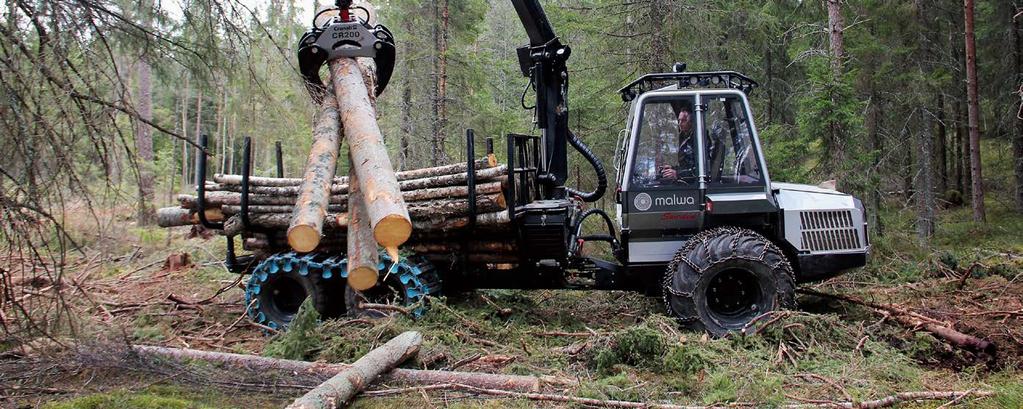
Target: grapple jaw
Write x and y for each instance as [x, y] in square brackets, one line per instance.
[344, 36]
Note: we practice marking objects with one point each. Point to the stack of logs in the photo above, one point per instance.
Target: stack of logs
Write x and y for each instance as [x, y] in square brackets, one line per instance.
[365, 210]
[436, 198]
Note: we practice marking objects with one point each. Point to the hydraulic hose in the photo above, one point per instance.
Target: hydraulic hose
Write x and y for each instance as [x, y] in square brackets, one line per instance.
[607, 221]
[598, 168]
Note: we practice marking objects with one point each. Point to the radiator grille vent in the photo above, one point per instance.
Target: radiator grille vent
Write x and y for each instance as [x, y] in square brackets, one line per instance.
[828, 230]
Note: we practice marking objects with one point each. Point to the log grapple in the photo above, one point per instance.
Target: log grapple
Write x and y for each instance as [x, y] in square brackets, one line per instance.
[345, 35]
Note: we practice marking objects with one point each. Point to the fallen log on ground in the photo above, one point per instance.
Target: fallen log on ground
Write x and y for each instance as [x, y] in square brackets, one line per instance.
[915, 321]
[386, 209]
[341, 388]
[398, 375]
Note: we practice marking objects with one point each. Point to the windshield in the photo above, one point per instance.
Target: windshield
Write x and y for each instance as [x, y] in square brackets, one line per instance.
[666, 147]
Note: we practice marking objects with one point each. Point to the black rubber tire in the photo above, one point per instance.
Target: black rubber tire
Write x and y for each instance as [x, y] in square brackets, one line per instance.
[281, 293]
[394, 288]
[723, 278]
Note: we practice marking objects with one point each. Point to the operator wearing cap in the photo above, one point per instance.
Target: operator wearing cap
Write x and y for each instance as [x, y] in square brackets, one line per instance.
[686, 170]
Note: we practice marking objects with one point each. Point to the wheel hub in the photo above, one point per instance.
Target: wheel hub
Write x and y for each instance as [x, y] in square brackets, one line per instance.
[733, 292]
[288, 295]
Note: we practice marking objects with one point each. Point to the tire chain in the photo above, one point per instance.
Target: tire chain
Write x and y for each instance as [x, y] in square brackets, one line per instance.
[416, 275]
[682, 256]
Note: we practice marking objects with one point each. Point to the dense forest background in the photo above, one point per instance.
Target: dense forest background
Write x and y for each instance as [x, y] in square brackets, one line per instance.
[101, 99]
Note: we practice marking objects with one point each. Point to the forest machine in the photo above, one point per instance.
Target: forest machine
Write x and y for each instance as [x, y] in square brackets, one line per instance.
[714, 236]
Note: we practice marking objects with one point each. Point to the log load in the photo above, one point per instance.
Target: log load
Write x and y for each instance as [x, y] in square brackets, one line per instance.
[436, 200]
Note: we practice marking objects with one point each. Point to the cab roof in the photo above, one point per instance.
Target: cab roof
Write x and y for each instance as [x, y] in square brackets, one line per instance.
[683, 80]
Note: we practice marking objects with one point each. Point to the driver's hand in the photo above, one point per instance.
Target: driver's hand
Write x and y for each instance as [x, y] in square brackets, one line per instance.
[667, 172]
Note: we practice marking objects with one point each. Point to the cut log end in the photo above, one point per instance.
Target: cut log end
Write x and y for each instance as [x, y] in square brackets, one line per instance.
[362, 278]
[492, 160]
[303, 238]
[392, 231]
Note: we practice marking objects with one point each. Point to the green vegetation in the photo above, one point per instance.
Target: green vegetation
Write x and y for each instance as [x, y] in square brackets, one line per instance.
[153, 397]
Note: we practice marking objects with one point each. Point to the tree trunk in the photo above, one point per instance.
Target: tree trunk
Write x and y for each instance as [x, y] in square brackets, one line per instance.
[405, 137]
[386, 208]
[925, 181]
[184, 135]
[1017, 141]
[835, 146]
[836, 25]
[876, 145]
[973, 111]
[334, 392]
[144, 141]
[440, 62]
[362, 248]
[221, 131]
[941, 145]
[311, 207]
[198, 126]
[925, 135]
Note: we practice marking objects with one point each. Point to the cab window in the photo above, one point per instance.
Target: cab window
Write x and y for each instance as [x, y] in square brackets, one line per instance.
[665, 152]
[731, 154]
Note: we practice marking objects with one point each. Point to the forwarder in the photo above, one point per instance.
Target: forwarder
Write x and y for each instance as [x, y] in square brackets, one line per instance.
[697, 218]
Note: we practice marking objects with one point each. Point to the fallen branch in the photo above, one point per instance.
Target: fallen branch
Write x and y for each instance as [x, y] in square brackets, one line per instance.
[884, 402]
[915, 321]
[334, 392]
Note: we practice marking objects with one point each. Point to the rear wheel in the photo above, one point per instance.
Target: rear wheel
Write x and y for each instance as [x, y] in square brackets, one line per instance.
[281, 283]
[723, 278]
[406, 283]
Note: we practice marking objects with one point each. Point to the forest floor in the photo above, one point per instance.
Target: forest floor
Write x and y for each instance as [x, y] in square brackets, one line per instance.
[616, 345]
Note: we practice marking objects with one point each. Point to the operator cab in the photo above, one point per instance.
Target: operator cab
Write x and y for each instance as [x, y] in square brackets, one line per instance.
[687, 150]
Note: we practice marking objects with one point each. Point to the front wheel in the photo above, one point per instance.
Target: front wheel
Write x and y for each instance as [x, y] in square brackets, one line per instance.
[723, 278]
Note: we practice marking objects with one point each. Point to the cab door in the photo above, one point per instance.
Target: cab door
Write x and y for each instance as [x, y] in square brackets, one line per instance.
[735, 177]
[661, 207]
